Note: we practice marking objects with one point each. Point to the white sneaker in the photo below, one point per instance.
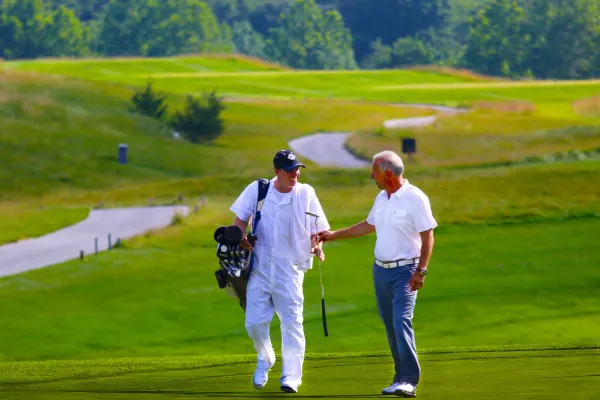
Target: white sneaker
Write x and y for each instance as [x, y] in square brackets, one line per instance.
[391, 389]
[406, 390]
[260, 378]
[289, 386]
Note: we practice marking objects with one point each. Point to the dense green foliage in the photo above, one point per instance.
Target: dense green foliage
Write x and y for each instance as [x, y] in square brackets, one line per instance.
[149, 102]
[200, 120]
[511, 38]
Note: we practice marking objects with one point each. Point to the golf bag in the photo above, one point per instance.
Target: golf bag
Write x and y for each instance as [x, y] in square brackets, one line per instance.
[235, 261]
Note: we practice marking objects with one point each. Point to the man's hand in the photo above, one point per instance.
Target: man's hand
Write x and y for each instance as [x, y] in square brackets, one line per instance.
[416, 281]
[317, 248]
[325, 236]
[245, 244]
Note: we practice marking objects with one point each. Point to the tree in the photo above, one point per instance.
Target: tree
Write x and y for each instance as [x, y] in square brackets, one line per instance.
[497, 42]
[389, 19]
[247, 40]
[411, 51]
[161, 28]
[22, 26]
[565, 36]
[380, 56]
[200, 122]
[120, 31]
[149, 102]
[308, 39]
[65, 35]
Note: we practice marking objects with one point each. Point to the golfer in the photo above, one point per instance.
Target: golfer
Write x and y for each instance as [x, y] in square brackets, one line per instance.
[402, 219]
[284, 250]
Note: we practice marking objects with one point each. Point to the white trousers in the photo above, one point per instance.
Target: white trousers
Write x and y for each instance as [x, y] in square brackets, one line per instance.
[275, 286]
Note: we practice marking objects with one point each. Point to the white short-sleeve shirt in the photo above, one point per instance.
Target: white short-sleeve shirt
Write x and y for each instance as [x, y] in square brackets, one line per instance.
[398, 222]
[277, 238]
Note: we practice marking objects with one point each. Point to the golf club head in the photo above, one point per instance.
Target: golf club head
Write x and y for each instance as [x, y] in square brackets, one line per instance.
[219, 234]
[233, 235]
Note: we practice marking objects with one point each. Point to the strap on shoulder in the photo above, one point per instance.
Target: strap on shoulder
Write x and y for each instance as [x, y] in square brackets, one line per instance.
[263, 188]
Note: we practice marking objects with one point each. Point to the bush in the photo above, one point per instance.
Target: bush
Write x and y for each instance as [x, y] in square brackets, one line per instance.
[200, 122]
[149, 102]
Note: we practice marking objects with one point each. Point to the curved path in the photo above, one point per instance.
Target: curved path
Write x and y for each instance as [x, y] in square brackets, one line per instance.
[327, 149]
[65, 244]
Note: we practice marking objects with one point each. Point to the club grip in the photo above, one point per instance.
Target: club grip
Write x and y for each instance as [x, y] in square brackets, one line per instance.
[324, 317]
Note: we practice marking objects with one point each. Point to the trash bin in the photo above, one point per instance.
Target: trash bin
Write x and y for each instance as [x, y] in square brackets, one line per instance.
[122, 153]
[409, 145]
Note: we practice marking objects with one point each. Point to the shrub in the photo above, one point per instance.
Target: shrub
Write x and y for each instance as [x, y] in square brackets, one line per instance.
[200, 121]
[149, 102]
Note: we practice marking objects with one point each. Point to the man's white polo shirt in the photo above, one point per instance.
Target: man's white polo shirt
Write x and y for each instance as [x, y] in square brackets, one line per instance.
[398, 221]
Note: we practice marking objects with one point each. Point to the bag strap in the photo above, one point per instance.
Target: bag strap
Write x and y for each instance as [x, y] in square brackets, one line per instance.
[263, 188]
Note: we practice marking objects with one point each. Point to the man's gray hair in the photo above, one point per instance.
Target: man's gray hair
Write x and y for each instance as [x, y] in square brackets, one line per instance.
[389, 161]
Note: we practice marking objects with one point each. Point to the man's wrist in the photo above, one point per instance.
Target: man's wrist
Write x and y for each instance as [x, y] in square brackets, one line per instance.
[422, 270]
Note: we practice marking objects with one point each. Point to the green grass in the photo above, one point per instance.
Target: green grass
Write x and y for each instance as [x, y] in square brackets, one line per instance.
[111, 68]
[490, 285]
[509, 237]
[25, 221]
[483, 138]
[524, 374]
[423, 86]
[63, 135]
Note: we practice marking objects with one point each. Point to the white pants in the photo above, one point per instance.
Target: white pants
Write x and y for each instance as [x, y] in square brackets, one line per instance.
[275, 285]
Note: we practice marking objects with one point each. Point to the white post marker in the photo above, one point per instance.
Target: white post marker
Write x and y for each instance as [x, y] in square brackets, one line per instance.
[318, 253]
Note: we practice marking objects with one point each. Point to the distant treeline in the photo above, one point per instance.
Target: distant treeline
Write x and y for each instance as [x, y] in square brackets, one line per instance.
[512, 38]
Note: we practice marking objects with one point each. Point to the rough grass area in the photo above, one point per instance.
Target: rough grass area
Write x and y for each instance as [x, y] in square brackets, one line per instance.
[25, 221]
[588, 107]
[479, 138]
[58, 134]
[533, 374]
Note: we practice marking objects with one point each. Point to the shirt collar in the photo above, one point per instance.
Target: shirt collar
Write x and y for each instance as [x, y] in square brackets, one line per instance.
[398, 193]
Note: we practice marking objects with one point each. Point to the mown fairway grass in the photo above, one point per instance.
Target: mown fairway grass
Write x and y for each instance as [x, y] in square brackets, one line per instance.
[249, 81]
[518, 374]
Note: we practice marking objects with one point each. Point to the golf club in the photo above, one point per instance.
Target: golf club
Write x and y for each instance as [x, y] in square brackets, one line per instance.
[323, 313]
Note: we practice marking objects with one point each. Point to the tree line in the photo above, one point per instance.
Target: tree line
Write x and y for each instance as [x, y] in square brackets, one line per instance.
[512, 38]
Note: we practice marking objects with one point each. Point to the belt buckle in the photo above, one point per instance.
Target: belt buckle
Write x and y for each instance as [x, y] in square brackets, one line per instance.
[388, 264]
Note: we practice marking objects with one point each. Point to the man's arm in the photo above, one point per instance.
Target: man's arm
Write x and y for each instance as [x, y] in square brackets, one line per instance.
[426, 248]
[361, 229]
[416, 281]
[243, 225]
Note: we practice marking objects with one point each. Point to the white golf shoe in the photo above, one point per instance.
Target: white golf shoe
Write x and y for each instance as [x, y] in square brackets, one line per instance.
[391, 389]
[289, 386]
[260, 378]
[406, 390]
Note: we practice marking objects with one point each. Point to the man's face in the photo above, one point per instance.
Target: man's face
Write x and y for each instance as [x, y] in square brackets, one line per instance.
[288, 178]
[377, 175]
